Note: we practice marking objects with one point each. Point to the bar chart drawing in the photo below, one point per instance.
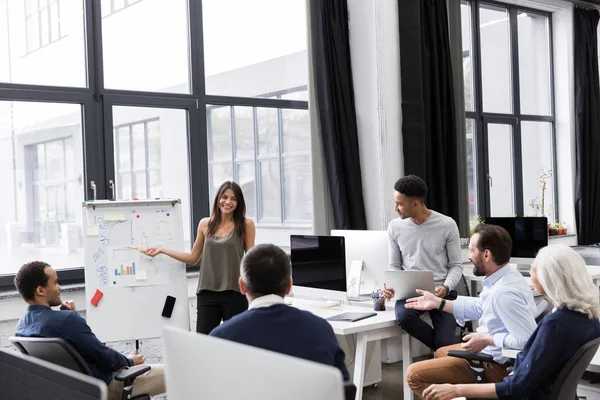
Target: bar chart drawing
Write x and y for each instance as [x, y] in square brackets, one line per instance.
[125, 270]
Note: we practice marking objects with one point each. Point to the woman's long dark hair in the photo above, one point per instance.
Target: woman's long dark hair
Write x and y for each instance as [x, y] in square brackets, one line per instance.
[239, 214]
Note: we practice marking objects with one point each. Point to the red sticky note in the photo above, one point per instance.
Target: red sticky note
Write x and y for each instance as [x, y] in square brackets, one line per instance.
[97, 297]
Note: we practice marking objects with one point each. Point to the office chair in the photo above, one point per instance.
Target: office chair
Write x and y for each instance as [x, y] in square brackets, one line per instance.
[476, 360]
[60, 352]
[25, 377]
[565, 386]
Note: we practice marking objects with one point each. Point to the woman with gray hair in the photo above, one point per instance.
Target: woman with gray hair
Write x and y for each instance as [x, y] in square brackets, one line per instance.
[560, 274]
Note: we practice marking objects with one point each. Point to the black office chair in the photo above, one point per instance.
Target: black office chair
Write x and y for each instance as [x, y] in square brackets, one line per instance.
[60, 352]
[349, 391]
[565, 386]
[544, 307]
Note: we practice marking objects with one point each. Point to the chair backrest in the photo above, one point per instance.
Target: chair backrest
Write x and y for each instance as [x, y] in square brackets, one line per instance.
[54, 350]
[197, 365]
[543, 307]
[565, 386]
[26, 377]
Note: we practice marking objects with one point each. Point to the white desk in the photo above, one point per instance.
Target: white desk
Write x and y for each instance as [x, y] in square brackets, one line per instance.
[381, 326]
[473, 280]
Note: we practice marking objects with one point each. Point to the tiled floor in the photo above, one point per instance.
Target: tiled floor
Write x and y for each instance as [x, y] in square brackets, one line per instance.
[391, 387]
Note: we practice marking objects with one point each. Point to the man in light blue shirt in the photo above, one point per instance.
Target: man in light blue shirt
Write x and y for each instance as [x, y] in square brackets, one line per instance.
[505, 310]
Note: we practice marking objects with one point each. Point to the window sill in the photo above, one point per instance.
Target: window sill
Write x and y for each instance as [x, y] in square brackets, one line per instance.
[74, 288]
[568, 235]
[275, 225]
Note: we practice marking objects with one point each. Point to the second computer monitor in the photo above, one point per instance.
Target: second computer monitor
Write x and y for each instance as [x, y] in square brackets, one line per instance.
[318, 262]
[528, 234]
[370, 247]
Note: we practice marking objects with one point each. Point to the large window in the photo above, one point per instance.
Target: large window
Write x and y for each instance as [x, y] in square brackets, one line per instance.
[123, 99]
[507, 63]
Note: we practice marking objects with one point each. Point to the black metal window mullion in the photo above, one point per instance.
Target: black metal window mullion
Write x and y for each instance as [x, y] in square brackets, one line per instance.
[516, 129]
[553, 123]
[479, 137]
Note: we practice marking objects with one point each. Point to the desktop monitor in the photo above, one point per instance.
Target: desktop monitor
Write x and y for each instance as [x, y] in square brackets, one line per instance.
[528, 234]
[318, 262]
[237, 371]
[370, 248]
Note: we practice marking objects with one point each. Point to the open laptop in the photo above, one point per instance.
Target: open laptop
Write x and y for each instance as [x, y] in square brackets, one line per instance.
[204, 367]
[406, 283]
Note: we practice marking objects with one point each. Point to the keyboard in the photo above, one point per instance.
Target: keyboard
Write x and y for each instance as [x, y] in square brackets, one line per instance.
[524, 269]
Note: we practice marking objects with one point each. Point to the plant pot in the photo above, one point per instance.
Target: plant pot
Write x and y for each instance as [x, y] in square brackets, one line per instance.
[553, 232]
[562, 231]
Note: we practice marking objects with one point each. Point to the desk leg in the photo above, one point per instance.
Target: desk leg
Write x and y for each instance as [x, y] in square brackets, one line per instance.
[406, 361]
[360, 361]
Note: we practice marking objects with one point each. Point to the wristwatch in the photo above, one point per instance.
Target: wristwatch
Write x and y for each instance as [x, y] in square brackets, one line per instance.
[442, 304]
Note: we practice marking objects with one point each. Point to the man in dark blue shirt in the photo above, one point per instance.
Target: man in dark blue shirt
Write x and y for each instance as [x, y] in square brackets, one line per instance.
[38, 285]
[271, 324]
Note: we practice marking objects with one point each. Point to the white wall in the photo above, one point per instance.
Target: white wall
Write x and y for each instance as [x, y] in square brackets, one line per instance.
[375, 54]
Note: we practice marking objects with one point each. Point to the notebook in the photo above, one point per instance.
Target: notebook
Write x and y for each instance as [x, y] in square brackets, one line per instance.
[351, 316]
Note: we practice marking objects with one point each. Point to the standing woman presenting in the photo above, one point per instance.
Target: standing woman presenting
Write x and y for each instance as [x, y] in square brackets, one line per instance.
[221, 242]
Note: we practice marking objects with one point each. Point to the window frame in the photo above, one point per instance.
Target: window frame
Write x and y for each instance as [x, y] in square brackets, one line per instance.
[515, 118]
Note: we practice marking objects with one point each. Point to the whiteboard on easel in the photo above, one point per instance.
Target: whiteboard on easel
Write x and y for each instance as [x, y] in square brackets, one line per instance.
[126, 290]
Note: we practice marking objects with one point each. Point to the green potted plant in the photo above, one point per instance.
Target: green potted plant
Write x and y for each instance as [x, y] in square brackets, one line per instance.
[475, 220]
[559, 228]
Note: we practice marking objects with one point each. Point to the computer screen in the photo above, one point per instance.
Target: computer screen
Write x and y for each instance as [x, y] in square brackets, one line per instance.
[370, 247]
[528, 234]
[318, 262]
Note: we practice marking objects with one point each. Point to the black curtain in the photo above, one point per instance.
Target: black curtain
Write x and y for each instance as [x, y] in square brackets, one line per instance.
[337, 115]
[587, 126]
[429, 122]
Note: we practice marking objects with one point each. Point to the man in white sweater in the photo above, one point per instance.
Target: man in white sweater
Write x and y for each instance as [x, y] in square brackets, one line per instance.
[424, 240]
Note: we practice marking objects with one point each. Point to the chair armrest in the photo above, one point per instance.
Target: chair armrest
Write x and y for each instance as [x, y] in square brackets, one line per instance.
[465, 355]
[129, 374]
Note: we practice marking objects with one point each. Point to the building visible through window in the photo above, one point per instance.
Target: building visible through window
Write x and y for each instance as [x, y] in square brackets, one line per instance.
[42, 23]
[137, 149]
